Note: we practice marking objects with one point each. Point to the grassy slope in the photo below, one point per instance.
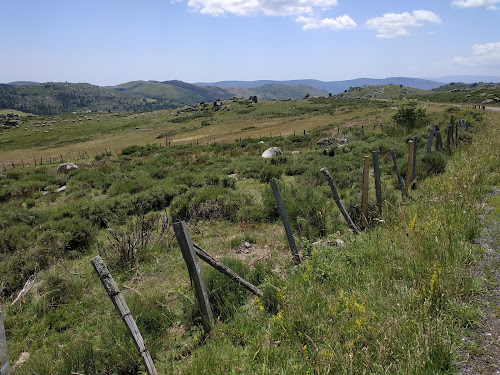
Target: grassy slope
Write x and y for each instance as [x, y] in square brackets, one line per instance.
[71, 134]
[392, 300]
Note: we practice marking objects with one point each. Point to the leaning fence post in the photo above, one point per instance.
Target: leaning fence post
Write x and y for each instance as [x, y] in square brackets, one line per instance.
[203, 255]
[121, 307]
[189, 255]
[376, 173]
[284, 219]
[337, 200]
[4, 354]
[408, 170]
[398, 174]
[364, 192]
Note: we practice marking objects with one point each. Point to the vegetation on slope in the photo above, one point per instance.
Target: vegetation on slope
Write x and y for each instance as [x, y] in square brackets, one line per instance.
[394, 299]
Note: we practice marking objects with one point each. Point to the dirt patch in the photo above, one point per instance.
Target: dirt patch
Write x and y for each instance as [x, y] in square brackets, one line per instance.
[485, 341]
[252, 253]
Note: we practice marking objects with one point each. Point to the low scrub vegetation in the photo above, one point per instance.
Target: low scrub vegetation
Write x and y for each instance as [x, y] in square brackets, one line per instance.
[394, 299]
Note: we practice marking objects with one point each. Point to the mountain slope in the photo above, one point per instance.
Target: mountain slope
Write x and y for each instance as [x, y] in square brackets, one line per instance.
[336, 87]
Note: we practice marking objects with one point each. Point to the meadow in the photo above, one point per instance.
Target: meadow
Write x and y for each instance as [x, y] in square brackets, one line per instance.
[395, 299]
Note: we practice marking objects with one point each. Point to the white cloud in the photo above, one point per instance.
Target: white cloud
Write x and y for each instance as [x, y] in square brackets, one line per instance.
[340, 23]
[488, 4]
[396, 24]
[483, 55]
[266, 7]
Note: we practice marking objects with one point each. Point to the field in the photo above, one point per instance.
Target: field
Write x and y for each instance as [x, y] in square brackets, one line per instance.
[395, 299]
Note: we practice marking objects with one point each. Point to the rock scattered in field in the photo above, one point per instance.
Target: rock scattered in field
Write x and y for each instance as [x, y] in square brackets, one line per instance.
[66, 167]
[272, 152]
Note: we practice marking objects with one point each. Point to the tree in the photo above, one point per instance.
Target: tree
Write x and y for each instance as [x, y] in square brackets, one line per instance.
[410, 115]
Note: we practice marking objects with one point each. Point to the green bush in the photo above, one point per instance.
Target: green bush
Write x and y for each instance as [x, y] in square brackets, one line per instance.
[268, 172]
[409, 116]
[434, 162]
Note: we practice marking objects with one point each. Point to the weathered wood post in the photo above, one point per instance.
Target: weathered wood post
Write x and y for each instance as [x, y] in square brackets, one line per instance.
[189, 255]
[376, 173]
[408, 170]
[121, 307]
[61, 157]
[431, 136]
[398, 174]
[449, 134]
[22, 162]
[364, 193]
[41, 160]
[4, 169]
[34, 159]
[414, 164]
[13, 166]
[4, 354]
[203, 255]
[284, 219]
[439, 141]
[337, 200]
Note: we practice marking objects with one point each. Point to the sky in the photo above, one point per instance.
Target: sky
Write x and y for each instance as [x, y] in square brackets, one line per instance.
[107, 42]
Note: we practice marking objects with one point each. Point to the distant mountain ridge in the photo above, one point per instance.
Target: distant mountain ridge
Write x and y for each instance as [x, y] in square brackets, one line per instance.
[336, 87]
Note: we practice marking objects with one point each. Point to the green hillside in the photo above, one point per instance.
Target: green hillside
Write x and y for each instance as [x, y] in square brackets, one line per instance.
[396, 92]
[397, 298]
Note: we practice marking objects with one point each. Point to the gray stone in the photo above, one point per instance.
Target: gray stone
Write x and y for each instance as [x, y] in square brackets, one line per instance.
[66, 167]
[272, 152]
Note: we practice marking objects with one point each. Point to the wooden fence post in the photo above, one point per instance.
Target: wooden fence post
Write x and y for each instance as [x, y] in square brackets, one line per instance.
[284, 219]
[376, 173]
[22, 162]
[13, 166]
[408, 170]
[189, 255]
[398, 174]
[337, 200]
[429, 142]
[203, 255]
[61, 157]
[34, 159]
[439, 140]
[4, 354]
[121, 307]
[414, 164]
[4, 169]
[364, 193]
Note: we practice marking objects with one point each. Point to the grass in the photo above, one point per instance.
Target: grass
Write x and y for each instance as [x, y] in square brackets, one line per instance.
[394, 299]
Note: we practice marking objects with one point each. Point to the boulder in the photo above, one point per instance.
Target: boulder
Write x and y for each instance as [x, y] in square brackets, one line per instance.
[272, 152]
[325, 142]
[488, 101]
[66, 167]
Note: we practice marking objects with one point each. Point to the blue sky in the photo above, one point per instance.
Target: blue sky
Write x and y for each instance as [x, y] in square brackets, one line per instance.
[106, 42]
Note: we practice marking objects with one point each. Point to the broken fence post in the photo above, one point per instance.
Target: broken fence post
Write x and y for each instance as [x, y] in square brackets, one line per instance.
[203, 255]
[121, 307]
[337, 200]
[376, 173]
[284, 219]
[398, 174]
[189, 255]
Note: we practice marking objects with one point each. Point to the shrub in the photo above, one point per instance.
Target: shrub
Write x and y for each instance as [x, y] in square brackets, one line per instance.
[408, 115]
[268, 172]
[434, 162]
